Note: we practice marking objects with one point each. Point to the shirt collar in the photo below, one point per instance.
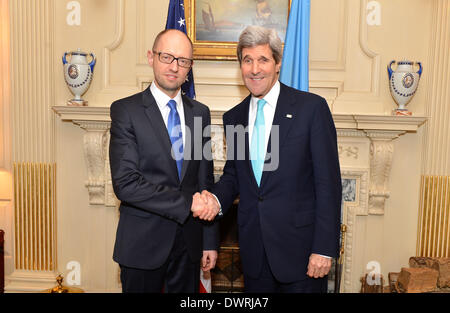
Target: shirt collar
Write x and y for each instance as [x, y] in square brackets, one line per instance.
[271, 97]
[162, 99]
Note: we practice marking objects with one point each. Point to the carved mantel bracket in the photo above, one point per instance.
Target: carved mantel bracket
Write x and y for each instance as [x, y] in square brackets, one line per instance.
[95, 152]
[381, 154]
[96, 122]
[381, 130]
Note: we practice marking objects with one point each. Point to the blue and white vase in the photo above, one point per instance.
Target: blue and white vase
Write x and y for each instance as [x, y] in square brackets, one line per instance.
[78, 74]
[403, 84]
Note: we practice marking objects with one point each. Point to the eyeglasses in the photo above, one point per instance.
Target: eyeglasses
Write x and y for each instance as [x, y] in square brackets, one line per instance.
[168, 59]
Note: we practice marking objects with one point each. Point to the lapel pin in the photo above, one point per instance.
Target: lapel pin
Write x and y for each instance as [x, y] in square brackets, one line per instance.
[289, 115]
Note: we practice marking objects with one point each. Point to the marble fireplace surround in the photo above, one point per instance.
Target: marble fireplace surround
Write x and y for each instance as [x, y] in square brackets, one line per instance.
[366, 151]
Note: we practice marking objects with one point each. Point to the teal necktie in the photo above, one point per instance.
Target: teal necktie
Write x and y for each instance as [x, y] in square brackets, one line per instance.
[257, 148]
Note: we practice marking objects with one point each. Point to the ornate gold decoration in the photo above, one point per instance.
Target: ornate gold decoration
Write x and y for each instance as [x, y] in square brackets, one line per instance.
[342, 250]
[63, 289]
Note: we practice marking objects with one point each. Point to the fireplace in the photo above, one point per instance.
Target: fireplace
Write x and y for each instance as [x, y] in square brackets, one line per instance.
[366, 151]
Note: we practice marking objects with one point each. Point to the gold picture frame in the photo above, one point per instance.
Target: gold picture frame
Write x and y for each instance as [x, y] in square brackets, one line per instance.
[210, 44]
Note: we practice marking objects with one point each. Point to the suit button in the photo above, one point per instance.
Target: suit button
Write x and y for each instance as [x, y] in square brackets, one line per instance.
[260, 199]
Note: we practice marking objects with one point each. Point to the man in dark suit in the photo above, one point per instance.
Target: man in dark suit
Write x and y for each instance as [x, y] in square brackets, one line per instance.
[283, 162]
[159, 243]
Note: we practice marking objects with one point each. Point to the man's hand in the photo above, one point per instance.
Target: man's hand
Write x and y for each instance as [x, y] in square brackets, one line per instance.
[205, 206]
[198, 203]
[209, 260]
[318, 266]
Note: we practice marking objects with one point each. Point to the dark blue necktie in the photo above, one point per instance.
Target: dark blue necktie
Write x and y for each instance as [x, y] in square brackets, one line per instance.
[175, 134]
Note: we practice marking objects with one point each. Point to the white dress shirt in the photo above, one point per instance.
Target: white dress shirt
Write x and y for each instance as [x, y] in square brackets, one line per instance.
[271, 99]
[162, 99]
[269, 111]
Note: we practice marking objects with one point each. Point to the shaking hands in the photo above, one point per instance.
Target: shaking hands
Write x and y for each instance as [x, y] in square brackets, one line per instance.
[205, 206]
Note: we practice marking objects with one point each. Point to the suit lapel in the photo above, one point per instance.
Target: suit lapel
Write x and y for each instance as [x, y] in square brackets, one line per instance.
[189, 135]
[243, 120]
[156, 121]
[281, 119]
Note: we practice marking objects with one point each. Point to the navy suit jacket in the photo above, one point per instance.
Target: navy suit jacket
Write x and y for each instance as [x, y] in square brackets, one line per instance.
[296, 209]
[145, 179]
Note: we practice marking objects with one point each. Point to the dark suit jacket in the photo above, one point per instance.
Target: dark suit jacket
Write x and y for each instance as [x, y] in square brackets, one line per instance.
[145, 180]
[296, 209]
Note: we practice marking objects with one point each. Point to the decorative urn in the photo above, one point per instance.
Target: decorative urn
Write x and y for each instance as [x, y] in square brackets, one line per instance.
[78, 75]
[403, 83]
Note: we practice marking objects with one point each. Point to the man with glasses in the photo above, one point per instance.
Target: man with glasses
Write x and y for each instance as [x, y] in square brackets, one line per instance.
[159, 244]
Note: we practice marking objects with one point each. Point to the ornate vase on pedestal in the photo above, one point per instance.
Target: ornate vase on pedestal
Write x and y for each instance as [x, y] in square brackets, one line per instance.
[78, 75]
[403, 84]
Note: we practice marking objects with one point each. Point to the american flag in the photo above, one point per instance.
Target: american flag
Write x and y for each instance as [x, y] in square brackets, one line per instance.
[176, 20]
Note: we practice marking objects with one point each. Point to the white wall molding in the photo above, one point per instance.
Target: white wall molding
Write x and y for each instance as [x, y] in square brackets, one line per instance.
[363, 41]
[342, 30]
[118, 38]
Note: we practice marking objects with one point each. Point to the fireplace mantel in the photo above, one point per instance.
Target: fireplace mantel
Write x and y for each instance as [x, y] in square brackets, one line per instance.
[343, 121]
[380, 130]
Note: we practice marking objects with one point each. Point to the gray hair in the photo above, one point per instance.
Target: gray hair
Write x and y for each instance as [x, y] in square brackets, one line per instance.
[257, 35]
